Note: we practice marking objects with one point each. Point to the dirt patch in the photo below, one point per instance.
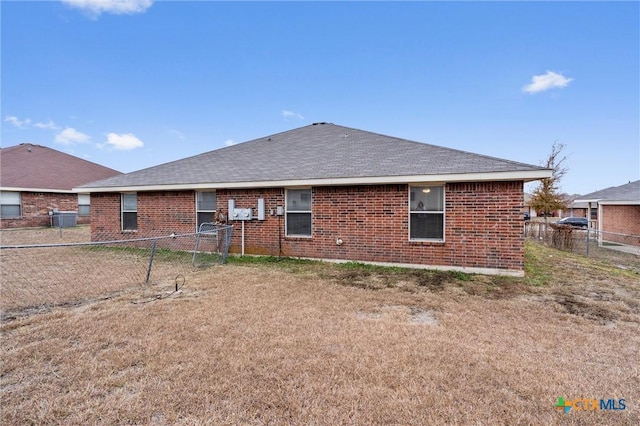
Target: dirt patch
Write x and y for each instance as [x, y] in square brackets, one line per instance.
[377, 278]
[433, 280]
[573, 305]
[361, 279]
[400, 314]
[422, 316]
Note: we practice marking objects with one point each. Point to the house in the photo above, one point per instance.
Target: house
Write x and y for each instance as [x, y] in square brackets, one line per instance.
[617, 210]
[560, 213]
[331, 192]
[581, 209]
[35, 181]
[528, 211]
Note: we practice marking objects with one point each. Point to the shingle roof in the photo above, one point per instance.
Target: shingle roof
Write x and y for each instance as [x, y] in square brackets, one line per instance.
[27, 166]
[627, 192]
[318, 151]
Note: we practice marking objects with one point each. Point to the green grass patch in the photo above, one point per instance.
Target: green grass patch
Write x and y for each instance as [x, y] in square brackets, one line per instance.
[361, 266]
[268, 260]
[290, 264]
[536, 269]
[606, 243]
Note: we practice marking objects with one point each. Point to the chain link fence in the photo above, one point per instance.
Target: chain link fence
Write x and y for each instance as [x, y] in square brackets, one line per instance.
[37, 275]
[620, 249]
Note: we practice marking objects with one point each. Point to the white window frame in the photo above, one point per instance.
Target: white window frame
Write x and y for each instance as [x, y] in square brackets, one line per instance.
[123, 210]
[298, 211]
[84, 200]
[200, 210]
[10, 199]
[441, 212]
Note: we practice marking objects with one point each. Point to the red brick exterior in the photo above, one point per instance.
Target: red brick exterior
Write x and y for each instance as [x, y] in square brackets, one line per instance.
[575, 212]
[36, 207]
[483, 223]
[159, 213]
[621, 219]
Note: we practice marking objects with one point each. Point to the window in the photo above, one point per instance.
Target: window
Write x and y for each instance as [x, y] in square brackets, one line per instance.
[10, 205]
[205, 207]
[298, 218]
[426, 217]
[129, 212]
[84, 205]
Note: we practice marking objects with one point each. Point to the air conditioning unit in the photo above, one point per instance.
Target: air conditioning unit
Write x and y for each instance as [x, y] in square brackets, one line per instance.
[64, 219]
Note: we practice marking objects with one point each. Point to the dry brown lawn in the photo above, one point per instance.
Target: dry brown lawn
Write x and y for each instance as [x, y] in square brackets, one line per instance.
[305, 343]
[59, 272]
[76, 234]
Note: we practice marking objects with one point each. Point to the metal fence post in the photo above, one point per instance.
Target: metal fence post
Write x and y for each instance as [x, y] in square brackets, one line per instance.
[153, 252]
[195, 249]
[588, 232]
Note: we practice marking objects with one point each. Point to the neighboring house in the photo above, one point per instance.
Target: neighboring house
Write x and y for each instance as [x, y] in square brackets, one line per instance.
[331, 192]
[35, 181]
[617, 210]
[533, 212]
[527, 206]
[574, 209]
[581, 209]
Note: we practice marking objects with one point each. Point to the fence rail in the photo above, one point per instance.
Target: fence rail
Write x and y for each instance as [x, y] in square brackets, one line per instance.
[622, 249]
[48, 274]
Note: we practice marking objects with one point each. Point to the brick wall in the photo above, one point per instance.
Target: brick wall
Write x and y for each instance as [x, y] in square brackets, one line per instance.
[483, 223]
[105, 216]
[575, 212]
[36, 207]
[261, 237]
[159, 213]
[621, 220]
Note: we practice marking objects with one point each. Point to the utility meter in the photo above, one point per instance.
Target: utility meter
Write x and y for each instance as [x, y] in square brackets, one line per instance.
[242, 214]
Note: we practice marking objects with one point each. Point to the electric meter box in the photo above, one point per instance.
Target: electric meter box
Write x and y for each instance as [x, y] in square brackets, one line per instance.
[242, 214]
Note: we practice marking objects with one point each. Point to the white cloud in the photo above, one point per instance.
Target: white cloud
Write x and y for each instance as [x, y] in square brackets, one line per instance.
[291, 114]
[21, 124]
[229, 142]
[123, 142]
[49, 125]
[69, 136]
[117, 7]
[178, 134]
[550, 80]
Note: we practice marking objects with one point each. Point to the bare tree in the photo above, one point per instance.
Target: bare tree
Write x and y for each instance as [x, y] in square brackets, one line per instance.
[546, 197]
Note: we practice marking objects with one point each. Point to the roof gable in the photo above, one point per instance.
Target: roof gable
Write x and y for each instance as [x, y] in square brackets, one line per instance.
[27, 166]
[320, 151]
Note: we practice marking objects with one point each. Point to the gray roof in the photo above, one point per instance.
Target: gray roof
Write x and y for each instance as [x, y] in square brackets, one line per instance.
[319, 151]
[626, 192]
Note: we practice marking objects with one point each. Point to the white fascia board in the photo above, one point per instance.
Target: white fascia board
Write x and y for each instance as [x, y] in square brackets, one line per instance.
[587, 200]
[49, 190]
[370, 180]
[620, 202]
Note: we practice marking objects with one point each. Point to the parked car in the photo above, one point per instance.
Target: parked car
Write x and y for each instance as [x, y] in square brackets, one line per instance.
[576, 222]
[527, 216]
